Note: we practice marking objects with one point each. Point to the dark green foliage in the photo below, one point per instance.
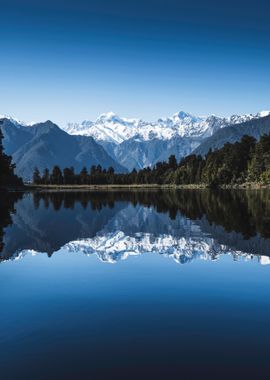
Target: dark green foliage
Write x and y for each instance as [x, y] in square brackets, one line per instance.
[83, 176]
[56, 176]
[236, 163]
[7, 202]
[36, 176]
[189, 170]
[260, 161]
[68, 174]
[172, 162]
[46, 177]
[7, 175]
[229, 164]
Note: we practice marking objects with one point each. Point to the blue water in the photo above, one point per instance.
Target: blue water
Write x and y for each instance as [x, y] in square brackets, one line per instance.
[165, 298]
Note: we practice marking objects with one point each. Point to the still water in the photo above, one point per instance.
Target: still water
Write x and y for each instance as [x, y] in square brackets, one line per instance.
[135, 285]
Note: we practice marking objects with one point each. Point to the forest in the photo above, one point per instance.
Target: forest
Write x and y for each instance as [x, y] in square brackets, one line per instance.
[245, 161]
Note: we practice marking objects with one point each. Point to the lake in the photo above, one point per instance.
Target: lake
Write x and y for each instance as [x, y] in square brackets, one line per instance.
[135, 285]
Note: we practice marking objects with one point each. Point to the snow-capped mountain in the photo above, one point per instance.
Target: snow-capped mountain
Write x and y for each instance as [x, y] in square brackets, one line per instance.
[113, 129]
[135, 143]
[110, 127]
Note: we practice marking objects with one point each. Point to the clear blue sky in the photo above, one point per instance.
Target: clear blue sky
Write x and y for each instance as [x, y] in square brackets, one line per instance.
[70, 60]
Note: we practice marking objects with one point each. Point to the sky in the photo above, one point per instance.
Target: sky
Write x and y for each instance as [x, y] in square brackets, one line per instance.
[69, 60]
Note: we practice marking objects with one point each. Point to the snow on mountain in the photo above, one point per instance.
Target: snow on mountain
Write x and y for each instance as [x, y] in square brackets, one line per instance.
[111, 128]
[14, 121]
[237, 119]
[135, 143]
[108, 127]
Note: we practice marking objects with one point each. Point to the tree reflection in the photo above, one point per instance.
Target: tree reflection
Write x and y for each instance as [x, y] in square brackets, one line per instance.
[246, 212]
[7, 202]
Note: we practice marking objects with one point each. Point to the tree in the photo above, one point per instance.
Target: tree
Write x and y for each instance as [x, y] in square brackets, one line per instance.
[68, 176]
[189, 170]
[265, 176]
[172, 162]
[99, 169]
[110, 170]
[45, 179]
[110, 175]
[36, 177]
[56, 177]
[93, 170]
[83, 176]
[7, 175]
[260, 159]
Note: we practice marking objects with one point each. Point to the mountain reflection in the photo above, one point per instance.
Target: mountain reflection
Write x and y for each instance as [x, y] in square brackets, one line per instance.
[183, 225]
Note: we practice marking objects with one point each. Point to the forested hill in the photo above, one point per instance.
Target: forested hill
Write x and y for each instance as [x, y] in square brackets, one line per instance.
[237, 163]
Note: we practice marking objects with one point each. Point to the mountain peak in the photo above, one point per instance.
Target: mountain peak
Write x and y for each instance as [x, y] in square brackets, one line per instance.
[110, 128]
[182, 115]
[108, 117]
[14, 121]
[263, 113]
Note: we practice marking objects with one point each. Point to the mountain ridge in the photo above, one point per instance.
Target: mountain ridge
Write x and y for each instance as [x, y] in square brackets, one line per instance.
[182, 124]
[135, 143]
[44, 145]
[124, 143]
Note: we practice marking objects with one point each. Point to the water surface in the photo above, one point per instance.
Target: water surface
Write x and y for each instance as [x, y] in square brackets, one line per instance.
[143, 285]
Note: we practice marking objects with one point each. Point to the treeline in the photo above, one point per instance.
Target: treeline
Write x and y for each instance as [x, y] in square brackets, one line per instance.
[7, 175]
[243, 161]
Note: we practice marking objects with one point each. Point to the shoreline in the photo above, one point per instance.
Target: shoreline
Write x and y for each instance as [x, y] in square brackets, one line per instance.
[245, 186]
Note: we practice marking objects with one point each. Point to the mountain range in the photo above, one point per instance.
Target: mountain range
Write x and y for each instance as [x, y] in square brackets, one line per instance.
[135, 143]
[111, 128]
[122, 143]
